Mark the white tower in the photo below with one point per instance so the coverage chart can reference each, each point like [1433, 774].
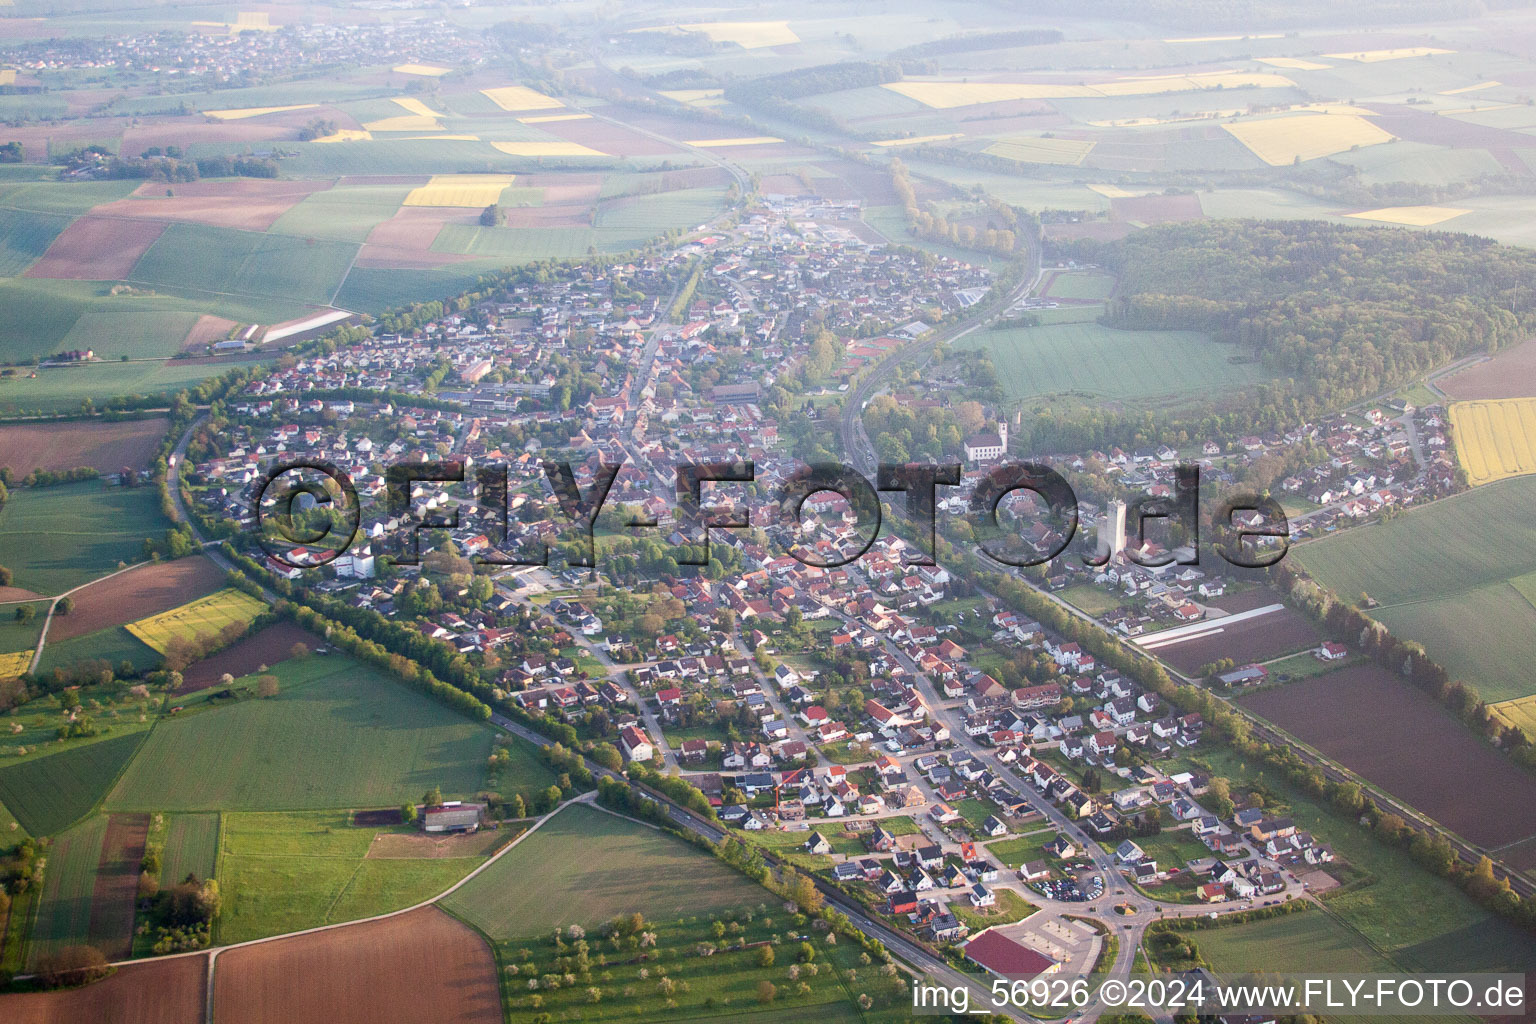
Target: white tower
[1114, 522]
[1002, 434]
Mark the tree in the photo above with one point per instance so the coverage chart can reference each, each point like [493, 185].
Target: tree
[72, 965]
[299, 650]
[766, 991]
[433, 797]
[765, 956]
[407, 813]
[25, 613]
[65, 606]
[266, 686]
[5, 576]
[490, 216]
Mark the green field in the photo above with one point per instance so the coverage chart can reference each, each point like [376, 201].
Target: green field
[205, 616]
[1015, 853]
[1141, 367]
[1422, 921]
[64, 915]
[1081, 286]
[21, 636]
[1297, 942]
[286, 871]
[49, 793]
[344, 213]
[202, 261]
[137, 334]
[62, 389]
[549, 879]
[114, 644]
[338, 735]
[375, 289]
[191, 847]
[1445, 575]
[1093, 599]
[24, 236]
[56, 538]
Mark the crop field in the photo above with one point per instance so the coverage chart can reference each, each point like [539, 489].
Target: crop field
[1260, 638]
[337, 735]
[520, 97]
[14, 664]
[419, 966]
[204, 616]
[545, 149]
[196, 259]
[114, 645]
[137, 334]
[25, 236]
[1086, 287]
[1030, 150]
[241, 113]
[49, 793]
[1495, 439]
[96, 249]
[55, 538]
[945, 95]
[117, 885]
[555, 884]
[250, 204]
[1140, 367]
[63, 389]
[1423, 921]
[143, 591]
[266, 647]
[288, 871]
[1377, 725]
[1296, 942]
[1420, 162]
[64, 914]
[1442, 575]
[1281, 141]
[344, 213]
[1511, 373]
[191, 847]
[1413, 216]
[477, 190]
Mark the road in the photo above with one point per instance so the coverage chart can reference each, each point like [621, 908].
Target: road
[856, 444]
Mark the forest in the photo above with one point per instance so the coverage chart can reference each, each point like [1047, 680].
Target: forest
[1334, 314]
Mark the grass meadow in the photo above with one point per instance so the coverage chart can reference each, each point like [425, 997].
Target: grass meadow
[64, 913]
[281, 872]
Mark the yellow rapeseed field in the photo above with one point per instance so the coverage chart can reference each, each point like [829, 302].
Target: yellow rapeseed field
[1495, 438]
[346, 135]
[916, 140]
[747, 140]
[1294, 64]
[547, 118]
[1519, 713]
[749, 35]
[1281, 140]
[1471, 88]
[459, 190]
[1030, 150]
[241, 113]
[695, 97]
[206, 615]
[1414, 216]
[1376, 56]
[421, 118]
[520, 97]
[429, 70]
[944, 95]
[12, 665]
[7, 76]
[546, 149]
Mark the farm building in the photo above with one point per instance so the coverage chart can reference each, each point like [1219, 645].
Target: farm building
[453, 817]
